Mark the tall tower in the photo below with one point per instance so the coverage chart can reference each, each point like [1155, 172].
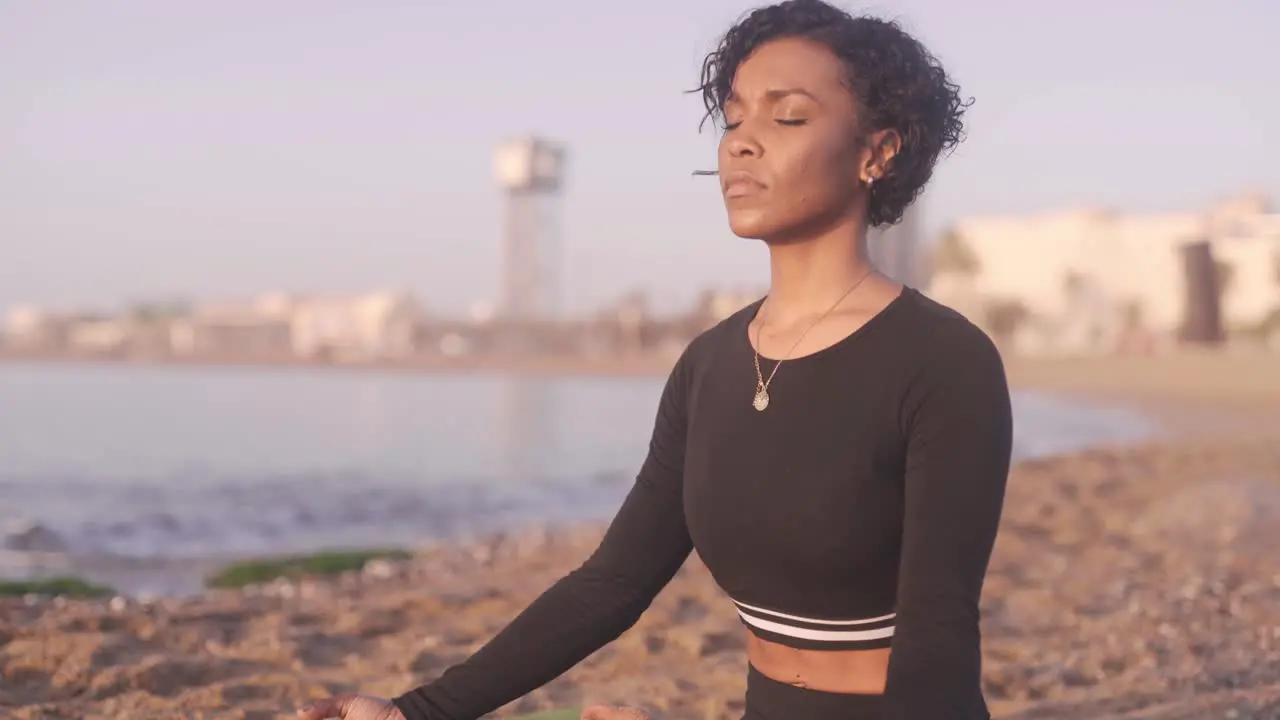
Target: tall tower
[895, 250]
[531, 173]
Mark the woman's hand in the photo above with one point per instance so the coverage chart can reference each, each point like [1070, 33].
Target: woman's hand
[351, 707]
[605, 712]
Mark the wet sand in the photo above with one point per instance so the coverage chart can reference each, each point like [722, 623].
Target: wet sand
[1127, 582]
[1197, 392]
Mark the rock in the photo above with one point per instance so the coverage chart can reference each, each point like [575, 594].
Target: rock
[379, 569]
[29, 536]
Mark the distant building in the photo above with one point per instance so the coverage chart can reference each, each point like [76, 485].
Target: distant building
[364, 327]
[231, 331]
[30, 329]
[716, 305]
[1093, 281]
[98, 336]
[531, 171]
[369, 327]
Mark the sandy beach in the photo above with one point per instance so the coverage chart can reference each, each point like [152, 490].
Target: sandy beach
[1128, 582]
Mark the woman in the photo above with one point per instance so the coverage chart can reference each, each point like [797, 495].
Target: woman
[837, 452]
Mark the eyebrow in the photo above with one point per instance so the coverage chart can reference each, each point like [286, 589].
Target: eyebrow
[776, 95]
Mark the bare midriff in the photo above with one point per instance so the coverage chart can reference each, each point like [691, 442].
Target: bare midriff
[860, 672]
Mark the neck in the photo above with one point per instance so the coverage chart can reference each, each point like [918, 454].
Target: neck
[807, 277]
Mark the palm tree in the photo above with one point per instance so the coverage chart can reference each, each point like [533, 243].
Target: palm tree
[953, 254]
[1005, 317]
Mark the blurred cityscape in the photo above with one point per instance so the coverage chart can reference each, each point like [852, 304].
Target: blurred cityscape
[1081, 282]
[1084, 282]
[378, 326]
[394, 326]
[1093, 281]
[1068, 283]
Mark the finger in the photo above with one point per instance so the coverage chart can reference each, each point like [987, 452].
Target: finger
[325, 709]
[319, 710]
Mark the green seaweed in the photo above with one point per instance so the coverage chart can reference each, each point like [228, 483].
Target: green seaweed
[264, 570]
[61, 586]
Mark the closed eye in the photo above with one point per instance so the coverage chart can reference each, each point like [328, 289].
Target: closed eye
[788, 123]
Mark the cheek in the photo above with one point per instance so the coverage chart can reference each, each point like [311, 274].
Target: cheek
[840, 164]
[820, 178]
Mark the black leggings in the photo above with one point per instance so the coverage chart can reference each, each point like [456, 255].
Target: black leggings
[769, 699]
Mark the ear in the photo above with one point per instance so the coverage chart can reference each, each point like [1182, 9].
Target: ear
[882, 147]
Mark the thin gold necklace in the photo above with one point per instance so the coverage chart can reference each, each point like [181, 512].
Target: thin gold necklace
[761, 400]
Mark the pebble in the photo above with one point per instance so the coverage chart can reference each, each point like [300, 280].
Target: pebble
[379, 569]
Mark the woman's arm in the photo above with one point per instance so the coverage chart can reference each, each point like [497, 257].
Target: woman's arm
[645, 545]
[960, 438]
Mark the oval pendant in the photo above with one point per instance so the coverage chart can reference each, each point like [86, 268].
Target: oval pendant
[761, 400]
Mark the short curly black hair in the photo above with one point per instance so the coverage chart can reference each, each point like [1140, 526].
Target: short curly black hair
[897, 82]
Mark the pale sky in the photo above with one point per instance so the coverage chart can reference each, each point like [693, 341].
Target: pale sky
[151, 148]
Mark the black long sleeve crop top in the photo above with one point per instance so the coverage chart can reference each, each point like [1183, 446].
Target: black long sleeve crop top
[859, 510]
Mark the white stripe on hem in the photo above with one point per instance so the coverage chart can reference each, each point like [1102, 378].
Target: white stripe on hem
[820, 635]
[867, 621]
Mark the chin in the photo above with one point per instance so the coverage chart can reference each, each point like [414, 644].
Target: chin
[750, 225]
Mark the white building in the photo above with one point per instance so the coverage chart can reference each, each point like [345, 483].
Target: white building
[99, 335]
[364, 327]
[1090, 281]
[240, 331]
[28, 328]
[368, 327]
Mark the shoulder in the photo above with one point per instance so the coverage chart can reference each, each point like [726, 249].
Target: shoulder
[699, 352]
[955, 369]
[947, 342]
[957, 391]
[698, 356]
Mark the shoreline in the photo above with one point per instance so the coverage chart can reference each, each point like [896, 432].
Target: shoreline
[1189, 392]
[1191, 395]
[1240, 376]
[1052, 426]
[623, 366]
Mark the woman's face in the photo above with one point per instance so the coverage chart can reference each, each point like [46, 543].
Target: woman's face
[790, 162]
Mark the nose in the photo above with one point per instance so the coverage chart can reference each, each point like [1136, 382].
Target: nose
[740, 143]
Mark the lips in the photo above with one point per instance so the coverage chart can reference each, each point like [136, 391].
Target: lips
[741, 184]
